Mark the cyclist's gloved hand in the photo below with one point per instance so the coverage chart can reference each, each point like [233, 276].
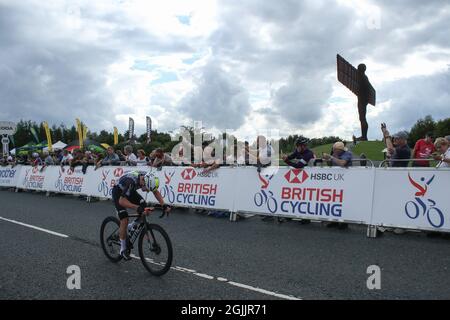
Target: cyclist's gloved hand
[166, 209]
[141, 209]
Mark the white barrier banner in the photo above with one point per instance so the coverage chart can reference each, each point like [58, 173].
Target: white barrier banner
[312, 193]
[416, 199]
[66, 180]
[102, 180]
[190, 187]
[32, 178]
[9, 176]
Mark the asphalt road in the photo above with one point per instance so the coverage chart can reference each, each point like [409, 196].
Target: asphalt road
[259, 260]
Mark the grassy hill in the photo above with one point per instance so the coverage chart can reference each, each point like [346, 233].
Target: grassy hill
[372, 150]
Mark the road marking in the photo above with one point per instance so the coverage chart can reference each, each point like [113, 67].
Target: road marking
[270, 293]
[223, 280]
[36, 228]
[202, 275]
[177, 268]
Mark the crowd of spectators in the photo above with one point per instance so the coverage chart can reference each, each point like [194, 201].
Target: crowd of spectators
[259, 154]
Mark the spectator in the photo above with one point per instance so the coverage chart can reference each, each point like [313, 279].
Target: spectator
[443, 153]
[59, 155]
[36, 160]
[161, 159]
[89, 158]
[341, 156]
[22, 160]
[299, 159]
[130, 157]
[398, 150]
[448, 138]
[11, 161]
[79, 159]
[4, 160]
[48, 159]
[301, 155]
[423, 150]
[210, 161]
[142, 159]
[121, 156]
[111, 159]
[66, 158]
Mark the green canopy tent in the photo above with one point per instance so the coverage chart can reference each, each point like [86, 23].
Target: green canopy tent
[88, 144]
[31, 147]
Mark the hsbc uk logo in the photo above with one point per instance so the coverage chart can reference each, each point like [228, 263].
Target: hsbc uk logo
[296, 176]
[118, 172]
[188, 174]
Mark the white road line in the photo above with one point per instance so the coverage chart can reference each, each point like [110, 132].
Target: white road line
[224, 280]
[36, 228]
[202, 275]
[270, 293]
[177, 268]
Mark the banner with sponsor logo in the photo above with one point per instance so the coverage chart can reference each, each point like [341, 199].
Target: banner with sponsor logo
[190, 187]
[408, 198]
[32, 178]
[102, 180]
[66, 180]
[312, 193]
[416, 199]
[9, 176]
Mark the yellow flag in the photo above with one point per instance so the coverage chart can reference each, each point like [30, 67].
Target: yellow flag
[80, 133]
[49, 137]
[116, 136]
[85, 129]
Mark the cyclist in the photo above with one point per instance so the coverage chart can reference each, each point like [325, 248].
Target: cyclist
[125, 196]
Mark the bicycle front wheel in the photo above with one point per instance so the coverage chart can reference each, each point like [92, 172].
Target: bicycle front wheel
[155, 249]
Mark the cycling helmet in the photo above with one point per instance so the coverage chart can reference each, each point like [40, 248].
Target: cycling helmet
[151, 181]
[300, 141]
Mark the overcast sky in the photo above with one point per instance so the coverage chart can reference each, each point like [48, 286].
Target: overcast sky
[242, 65]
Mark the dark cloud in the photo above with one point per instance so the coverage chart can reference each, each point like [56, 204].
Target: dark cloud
[218, 99]
[49, 74]
[414, 98]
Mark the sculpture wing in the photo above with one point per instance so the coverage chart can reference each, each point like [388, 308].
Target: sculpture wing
[348, 76]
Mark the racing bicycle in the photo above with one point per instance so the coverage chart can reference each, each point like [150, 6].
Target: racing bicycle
[154, 245]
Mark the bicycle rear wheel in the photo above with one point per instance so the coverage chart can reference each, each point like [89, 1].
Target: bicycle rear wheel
[109, 238]
[155, 249]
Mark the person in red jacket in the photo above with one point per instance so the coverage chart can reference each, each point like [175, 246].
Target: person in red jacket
[423, 150]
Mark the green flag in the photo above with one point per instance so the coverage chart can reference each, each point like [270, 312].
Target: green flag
[34, 133]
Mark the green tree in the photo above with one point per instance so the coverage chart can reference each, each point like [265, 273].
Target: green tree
[442, 128]
[420, 129]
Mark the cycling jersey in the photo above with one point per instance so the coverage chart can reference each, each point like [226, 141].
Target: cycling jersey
[129, 183]
[127, 187]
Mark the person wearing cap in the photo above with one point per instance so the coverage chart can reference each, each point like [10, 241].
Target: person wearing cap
[448, 138]
[341, 156]
[423, 150]
[398, 150]
[301, 155]
[36, 161]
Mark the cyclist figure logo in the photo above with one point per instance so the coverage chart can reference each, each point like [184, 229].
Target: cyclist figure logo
[59, 182]
[25, 179]
[103, 186]
[264, 196]
[167, 191]
[413, 209]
